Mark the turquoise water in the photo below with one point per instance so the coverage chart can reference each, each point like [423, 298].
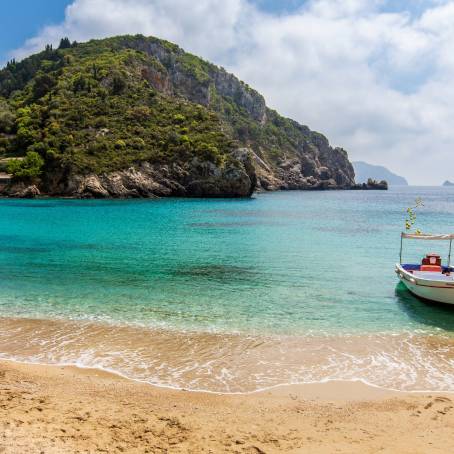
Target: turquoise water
[285, 265]
[287, 262]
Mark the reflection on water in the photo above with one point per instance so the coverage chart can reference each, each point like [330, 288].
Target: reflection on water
[428, 313]
[68, 203]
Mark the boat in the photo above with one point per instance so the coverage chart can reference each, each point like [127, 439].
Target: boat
[430, 280]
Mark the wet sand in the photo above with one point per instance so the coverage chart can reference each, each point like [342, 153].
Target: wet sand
[50, 409]
[230, 363]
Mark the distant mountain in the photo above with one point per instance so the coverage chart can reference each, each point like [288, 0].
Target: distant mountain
[364, 171]
[448, 183]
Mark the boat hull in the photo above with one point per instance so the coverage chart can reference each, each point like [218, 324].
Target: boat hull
[427, 289]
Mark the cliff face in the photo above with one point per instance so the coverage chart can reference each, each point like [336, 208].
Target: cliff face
[196, 179]
[307, 163]
[138, 117]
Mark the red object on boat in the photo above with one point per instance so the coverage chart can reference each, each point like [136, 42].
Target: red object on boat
[435, 268]
[431, 262]
[432, 259]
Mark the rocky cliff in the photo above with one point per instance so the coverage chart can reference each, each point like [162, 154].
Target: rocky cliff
[195, 179]
[132, 116]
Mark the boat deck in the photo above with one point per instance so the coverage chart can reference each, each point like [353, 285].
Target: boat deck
[433, 276]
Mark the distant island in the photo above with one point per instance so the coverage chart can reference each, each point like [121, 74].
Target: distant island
[136, 116]
[448, 183]
[364, 171]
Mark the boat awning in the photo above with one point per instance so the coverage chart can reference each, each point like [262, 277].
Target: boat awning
[425, 236]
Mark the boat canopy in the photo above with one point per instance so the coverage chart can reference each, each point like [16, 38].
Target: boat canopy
[425, 236]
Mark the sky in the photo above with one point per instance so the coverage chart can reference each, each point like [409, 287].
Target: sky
[375, 76]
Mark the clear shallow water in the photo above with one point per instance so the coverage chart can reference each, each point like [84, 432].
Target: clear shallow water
[298, 264]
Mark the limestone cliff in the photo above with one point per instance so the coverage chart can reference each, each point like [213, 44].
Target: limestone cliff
[132, 116]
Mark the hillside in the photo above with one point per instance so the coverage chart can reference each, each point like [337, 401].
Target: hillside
[133, 116]
[364, 171]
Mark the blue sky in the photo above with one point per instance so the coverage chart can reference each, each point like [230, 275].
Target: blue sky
[279, 6]
[375, 76]
[22, 19]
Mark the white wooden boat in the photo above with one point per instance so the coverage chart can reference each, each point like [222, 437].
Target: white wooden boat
[429, 280]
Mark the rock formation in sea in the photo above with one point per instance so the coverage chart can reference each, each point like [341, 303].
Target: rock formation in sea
[135, 116]
[371, 184]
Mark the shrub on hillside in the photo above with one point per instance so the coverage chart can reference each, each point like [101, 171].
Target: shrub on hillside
[28, 168]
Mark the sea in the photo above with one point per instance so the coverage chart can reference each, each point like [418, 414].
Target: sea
[227, 295]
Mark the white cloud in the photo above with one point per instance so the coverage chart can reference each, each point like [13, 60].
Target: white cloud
[205, 26]
[375, 81]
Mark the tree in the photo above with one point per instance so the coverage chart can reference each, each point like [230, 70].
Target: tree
[65, 43]
[80, 84]
[43, 84]
[7, 118]
[179, 119]
[27, 168]
[139, 113]
[118, 83]
[95, 71]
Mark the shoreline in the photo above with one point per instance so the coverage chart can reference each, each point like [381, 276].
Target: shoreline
[233, 364]
[67, 409]
[322, 390]
[322, 387]
[46, 196]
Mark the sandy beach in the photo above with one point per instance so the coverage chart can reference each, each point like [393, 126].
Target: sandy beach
[49, 409]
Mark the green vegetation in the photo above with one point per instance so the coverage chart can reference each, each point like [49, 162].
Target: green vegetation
[410, 220]
[106, 105]
[98, 114]
[7, 117]
[28, 168]
[197, 67]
